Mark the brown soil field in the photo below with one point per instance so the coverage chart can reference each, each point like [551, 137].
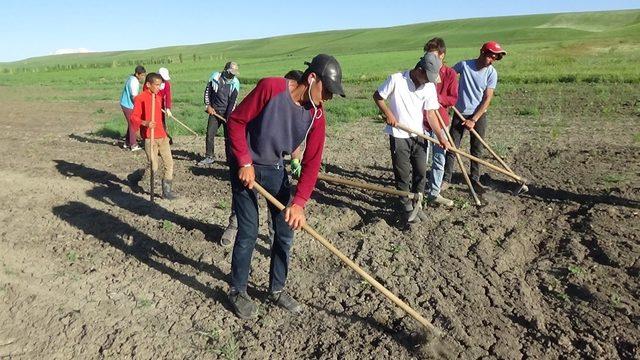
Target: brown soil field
[91, 270]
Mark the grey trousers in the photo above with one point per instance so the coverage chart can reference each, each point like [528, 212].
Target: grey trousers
[409, 160]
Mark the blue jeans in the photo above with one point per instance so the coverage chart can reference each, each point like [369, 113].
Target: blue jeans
[437, 169]
[245, 204]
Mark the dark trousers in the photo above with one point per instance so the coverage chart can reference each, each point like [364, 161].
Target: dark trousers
[409, 160]
[245, 204]
[457, 131]
[212, 128]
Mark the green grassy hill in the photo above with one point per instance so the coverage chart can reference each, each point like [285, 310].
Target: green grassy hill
[590, 47]
[540, 45]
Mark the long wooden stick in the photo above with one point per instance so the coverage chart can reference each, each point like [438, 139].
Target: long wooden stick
[219, 117]
[181, 123]
[366, 186]
[470, 157]
[388, 294]
[484, 143]
[153, 135]
[459, 160]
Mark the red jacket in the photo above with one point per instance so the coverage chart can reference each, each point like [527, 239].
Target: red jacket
[447, 90]
[142, 112]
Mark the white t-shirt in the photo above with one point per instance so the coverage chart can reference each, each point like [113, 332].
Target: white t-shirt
[407, 103]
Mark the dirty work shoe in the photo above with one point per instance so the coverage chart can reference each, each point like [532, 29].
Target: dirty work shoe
[441, 201]
[284, 300]
[444, 186]
[242, 304]
[206, 161]
[135, 147]
[228, 236]
[478, 186]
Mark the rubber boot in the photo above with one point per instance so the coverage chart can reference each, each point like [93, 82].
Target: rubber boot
[166, 190]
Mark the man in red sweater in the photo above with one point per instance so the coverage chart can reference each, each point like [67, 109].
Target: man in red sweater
[447, 90]
[273, 120]
[141, 116]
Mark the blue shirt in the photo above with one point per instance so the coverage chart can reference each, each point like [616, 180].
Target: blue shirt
[473, 83]
[131, 88]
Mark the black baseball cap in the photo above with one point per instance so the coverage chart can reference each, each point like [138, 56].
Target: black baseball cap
[329, 71]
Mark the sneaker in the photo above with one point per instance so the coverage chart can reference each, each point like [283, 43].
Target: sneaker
[442, 201]
[228, 236]
[284, 300]
[206, 161]
[125, 146]
[478, 186]
[136, 147]
[242, 304]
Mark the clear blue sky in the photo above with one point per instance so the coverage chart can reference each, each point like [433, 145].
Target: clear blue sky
[36, 27]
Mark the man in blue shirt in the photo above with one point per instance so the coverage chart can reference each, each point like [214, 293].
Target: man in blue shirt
[478, 80]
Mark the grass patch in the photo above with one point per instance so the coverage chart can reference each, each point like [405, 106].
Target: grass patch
[72, 256]
[143, 303]
[167, 225]
[614, 178]
[528, 111]
[636, 138]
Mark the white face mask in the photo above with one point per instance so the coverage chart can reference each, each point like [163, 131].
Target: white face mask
[162, 86]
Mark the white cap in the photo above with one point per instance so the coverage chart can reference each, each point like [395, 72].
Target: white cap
[164, 72]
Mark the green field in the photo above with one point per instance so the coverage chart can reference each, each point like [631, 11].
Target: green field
[549, 51]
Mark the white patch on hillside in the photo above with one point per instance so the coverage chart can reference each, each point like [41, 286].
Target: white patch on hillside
[71, 51]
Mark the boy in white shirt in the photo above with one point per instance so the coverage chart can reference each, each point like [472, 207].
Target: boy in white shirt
[412, 96]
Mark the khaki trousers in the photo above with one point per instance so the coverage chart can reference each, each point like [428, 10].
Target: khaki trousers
[160, 146]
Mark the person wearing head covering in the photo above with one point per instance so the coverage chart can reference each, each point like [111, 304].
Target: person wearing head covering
[447, 90]
[165, 94]
[272, 121]
[219, 98]
[478, 81]
[411, 94]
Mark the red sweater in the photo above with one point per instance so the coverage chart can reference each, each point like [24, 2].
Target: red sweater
[142, 112]
[267, 124]
[447, 90]
[165, 93]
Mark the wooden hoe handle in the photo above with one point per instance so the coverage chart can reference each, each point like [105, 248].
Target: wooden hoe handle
[424, 322]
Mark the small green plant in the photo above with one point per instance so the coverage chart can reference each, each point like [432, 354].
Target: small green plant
[395, 248]
[72, 256]
[575, 270]
[636, 138]
[461, 204]
[230, 349]
[213, 335]
[167, 225]
[223, 205]
[99, 111]
[615, 299]
[143, 303]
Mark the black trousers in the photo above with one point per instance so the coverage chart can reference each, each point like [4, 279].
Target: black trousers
[409, 160]
[212, 128]
[457, 131]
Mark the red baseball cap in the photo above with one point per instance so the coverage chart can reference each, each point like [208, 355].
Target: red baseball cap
[493, 47]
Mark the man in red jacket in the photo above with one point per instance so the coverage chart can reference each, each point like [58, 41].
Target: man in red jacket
[141, 116]
[447, 90]
[273, 120]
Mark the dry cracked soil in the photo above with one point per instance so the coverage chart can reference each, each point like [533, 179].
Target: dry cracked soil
[91, 270]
